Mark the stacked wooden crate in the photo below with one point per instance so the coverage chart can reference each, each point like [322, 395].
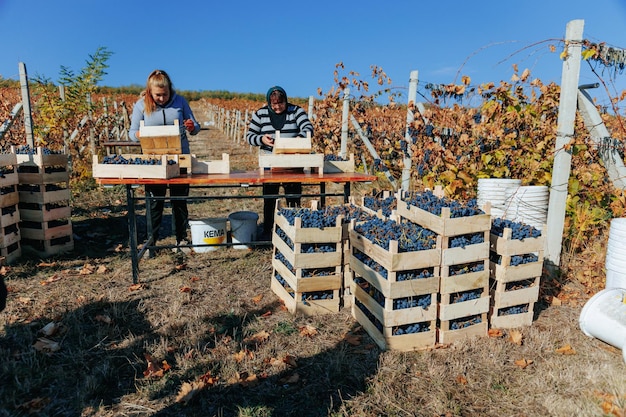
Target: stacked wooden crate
[44, 201]
[464, 284]
[10, 245]
[307, 264]
[395, 292]
[515, 270]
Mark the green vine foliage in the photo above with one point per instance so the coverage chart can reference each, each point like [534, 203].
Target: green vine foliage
[57, 116]
[511, 133]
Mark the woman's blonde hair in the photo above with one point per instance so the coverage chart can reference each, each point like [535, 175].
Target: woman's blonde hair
[157, 78]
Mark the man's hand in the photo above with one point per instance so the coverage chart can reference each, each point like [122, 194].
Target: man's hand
[267, 140]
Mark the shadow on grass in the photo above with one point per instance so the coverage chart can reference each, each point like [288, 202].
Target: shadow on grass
[101, 360]
[96, 361]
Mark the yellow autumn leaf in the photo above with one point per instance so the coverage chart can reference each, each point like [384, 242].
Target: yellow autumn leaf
[188, 390]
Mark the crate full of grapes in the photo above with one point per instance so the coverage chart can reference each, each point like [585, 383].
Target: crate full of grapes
[308, 303]
[464, 301]
[8, 169]
[40, 165]
[334, 164]
[307, 258]
[409, 334]
[516, 251]
[394, 245]
[442, 215]
[380, 203]
[136, 166]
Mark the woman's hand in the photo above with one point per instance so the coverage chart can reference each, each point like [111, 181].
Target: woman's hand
[189, 125]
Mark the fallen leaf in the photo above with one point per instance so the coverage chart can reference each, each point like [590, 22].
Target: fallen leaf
[194, 279]
[352, 339]
[185, 289]
[4, 270]
[308, 330]
[495, 333]
[523, 363]
[136, 287]
[180, 267]
[257, 298]
[53, 278]
[49, 329]
[247, 380]
[46, 345]
[257, 338]
[103, 319]
[460, 379]
[243, 354]
[566, 350]
[25, 300]
[290, 360]
[154, 370]
[516, 337]
[87, 269]
[46, 264]
[267, 313]
[188, 390]
[555, 301]
[101, 269]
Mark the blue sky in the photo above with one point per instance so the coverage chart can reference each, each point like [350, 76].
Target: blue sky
[247, 46]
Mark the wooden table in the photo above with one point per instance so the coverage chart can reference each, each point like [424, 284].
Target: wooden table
[230, 180]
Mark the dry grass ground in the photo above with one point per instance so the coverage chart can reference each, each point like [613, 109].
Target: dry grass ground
[204, 335]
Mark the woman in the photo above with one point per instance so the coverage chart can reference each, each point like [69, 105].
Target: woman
[159, 105]
[292, 121]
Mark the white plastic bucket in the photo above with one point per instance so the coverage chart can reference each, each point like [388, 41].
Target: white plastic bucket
[615, 262]
[207, 232]
[528, 204]
[615, 279]
[604, 317]
[243, 227]
[493, 190]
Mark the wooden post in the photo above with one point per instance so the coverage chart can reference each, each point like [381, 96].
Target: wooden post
[28, 115]
[406, 171]
[344, 123]
[311, 102]
[565, 131]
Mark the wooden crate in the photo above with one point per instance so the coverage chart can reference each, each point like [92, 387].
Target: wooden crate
[301, 283]
[9, 196]
[9, 235]
[511, 321]
[390, 287]
[299, 234]
[472, 330]
[304, 161]
[505, 247]
[8, 171]
[331, 167]
[300, 302]
[160, 140]
[49, 230]
[392, 259]
[36, 212]
[42, 168]
[444, 225]
[386, 313]
[451, 312]
[300, 260]
[43, 193]
[283, 145]
[387, 338]
[11, 253]
[9, 215]
[51, 247]
[162, 171]
[211, 167]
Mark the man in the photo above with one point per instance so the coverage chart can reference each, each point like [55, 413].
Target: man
[291, 121]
